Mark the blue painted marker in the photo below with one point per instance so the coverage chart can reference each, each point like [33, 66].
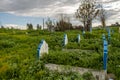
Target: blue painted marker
[39, 47]
[105, 52]
[103, 36]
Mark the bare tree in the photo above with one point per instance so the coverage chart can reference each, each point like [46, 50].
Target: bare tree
[102, 16]
[50, 25]
[39, 27]
[86, 12]
[63, 23]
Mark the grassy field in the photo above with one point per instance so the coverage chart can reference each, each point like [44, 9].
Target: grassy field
[18, 53]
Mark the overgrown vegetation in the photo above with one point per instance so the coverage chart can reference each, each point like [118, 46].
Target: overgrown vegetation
[18, 54]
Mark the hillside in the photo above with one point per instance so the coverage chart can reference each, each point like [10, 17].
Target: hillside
[18, 53]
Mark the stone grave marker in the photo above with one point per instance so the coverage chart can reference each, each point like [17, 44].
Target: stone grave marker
[105, 52]
[65, 40]
[83, 33]
[42, 48]
[103, 36]
[78, 38]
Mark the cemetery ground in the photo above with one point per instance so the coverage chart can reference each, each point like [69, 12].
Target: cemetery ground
[18, 54]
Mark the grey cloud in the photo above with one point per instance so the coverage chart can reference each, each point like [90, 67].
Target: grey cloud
[14, 5]
[51, 7]
[109, 1]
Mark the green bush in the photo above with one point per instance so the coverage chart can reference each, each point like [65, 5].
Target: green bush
[22, 49]
[88, 76]
[74, 59]
[6, 44]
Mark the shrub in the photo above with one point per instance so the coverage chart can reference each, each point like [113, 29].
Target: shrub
[88, 76]
[6, 44]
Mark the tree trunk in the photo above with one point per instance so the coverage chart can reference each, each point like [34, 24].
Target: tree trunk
[88, 25]
[103, 22]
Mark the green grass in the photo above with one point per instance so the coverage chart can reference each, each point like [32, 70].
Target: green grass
[18, 53]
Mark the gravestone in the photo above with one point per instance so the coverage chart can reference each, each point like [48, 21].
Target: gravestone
[78, 38]
[103, 36]
[105, 52]
[83, 33]
[42, 48]
[65, 40]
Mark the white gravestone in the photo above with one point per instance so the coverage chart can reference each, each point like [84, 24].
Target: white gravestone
[65, 39]
[78, 38]
[43, 48]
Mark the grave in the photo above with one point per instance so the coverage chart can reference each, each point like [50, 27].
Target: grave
[105, 52]
[42, 48]
[65, 40]
[83, 33]
[78, 38]
[98, 74]
[103, 36]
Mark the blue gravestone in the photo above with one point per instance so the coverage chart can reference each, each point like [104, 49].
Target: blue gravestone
[105, 52]
[103, 36]
[39, 47]
[78, 38]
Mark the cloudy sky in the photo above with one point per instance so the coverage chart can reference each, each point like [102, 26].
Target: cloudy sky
[20, 12]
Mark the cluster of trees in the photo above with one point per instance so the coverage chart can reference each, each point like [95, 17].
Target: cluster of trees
[61, 25]
[64, 23]
[39, 27]
[30, 26]
[86, 13]
[116, 24]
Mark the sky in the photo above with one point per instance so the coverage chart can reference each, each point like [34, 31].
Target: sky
[19, 12]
